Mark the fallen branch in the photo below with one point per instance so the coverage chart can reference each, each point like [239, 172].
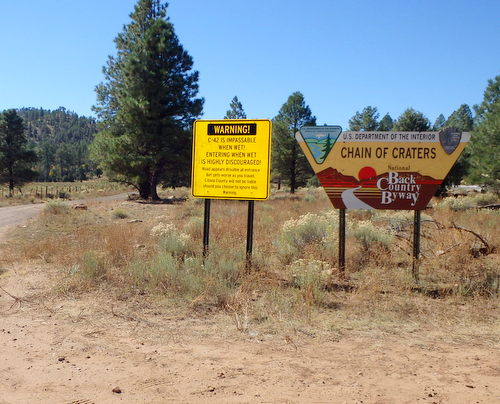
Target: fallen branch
[18, 300]
[483, 240]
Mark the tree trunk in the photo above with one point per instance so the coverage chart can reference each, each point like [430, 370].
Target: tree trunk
[144, 189]
[11, 182]
[293, 170]
[153, 183]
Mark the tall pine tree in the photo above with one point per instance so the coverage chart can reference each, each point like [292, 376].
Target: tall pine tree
[462, 120]
[412, 121]
[439, 123]
[16, 159]
[235, 110]
[366, 120]
[386, 123]
[288, 160]
[146, 104]
[485, 150]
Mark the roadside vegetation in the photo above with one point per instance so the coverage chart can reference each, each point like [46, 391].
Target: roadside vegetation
[154, 252]
[36, 192]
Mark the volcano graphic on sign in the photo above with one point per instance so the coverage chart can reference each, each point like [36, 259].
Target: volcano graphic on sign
[320, 140]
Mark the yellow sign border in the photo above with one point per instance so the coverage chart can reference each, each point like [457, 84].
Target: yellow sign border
[195, 165]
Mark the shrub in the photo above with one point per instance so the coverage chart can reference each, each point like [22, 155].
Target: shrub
[91, 267]
[172, 240]
[488, 198]
[310, 276]
[366, 233]
[56, 208]
[467, 202]
[297, 234]
[119, 214]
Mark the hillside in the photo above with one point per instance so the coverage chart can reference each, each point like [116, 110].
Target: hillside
[60, 138]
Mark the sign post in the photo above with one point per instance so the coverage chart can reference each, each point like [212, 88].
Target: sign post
[206, 226]
[381, 170]
[231, 160]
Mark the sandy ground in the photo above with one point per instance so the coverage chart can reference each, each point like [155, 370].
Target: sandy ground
[68, 350]
[65, 349]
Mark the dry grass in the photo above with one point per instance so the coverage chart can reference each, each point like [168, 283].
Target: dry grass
[294, 281]
[37, 192]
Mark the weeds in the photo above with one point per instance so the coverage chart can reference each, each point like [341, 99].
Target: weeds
[119, 214]
[294, 276]
[56, 208]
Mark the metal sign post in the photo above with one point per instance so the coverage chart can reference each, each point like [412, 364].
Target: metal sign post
[416, 245]
[206, 226]
[342, 241]
[249, 234]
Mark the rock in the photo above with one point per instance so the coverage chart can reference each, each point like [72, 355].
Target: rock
[133, 197]
[80, 206]
[135, 221]
[117, 390]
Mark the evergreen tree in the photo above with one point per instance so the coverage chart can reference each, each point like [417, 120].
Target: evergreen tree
[386, 123]
[484, 148]
[439, 123]
[235, 110]
[16, 159]
[461, 119]
[366, 120]
[146, 104]
[412, 121]
[288, 160]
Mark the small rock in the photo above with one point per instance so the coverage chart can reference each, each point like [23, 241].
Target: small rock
[80, 206]
[135, 221]
[61, 359]
[117, 390]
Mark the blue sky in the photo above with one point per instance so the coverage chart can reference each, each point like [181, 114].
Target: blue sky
[432, 55]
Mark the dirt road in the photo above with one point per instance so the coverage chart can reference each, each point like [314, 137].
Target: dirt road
[78, 349]
[14, 215]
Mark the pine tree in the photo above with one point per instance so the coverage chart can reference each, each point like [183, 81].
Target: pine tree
[146, 104]
[439, 123]
[366, 120]
[386, 123]
[288, 160]
[484, 148]
[16, 159]
[462, 120]
[235, 110]
[412, 121]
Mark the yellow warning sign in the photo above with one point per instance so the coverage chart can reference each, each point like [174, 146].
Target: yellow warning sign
[231, 159]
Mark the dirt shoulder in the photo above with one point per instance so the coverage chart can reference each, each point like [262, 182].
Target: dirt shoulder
[78, 349]
[11, 216]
